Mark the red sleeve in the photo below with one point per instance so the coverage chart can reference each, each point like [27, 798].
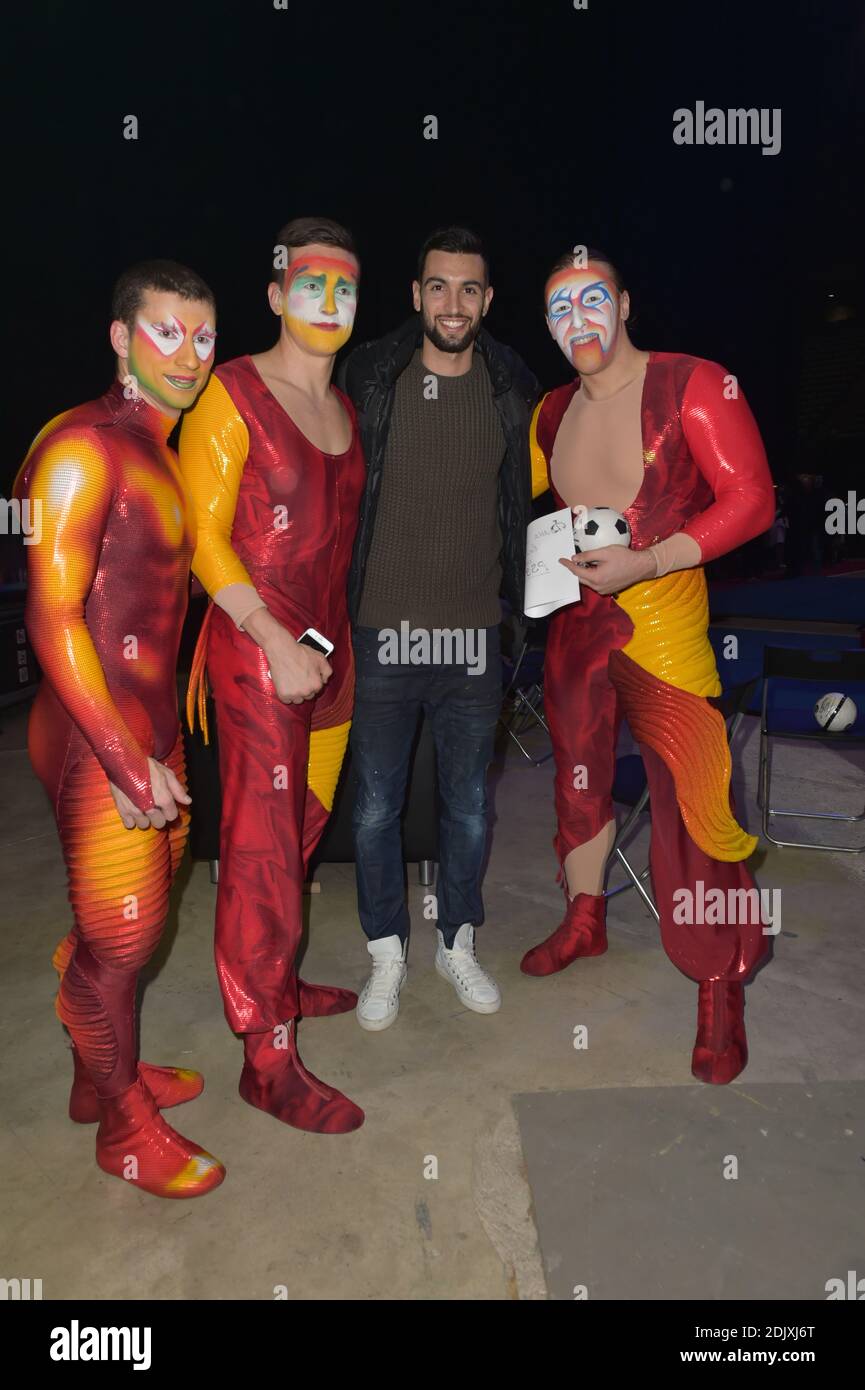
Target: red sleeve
[69, 476]
[725, 443]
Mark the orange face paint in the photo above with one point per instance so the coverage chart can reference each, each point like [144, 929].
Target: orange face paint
[320, 302]
[171, 349]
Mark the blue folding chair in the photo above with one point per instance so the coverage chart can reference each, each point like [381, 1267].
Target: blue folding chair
[788, 712]
[523, 685]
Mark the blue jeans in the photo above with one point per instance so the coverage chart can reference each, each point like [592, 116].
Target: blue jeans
[462, 709]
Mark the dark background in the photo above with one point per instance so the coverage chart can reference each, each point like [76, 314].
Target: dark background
[555, 127]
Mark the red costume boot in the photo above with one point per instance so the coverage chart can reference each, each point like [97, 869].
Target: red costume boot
[168, 1086]
[274, 1079]
[582, 933]
[721, 1049]
[135, 1143]
[324, 1001]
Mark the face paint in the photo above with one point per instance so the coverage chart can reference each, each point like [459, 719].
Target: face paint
[170, 357]
[583, 315]
[319, 302]
[204, 341]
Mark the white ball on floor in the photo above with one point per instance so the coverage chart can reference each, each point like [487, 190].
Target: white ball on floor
[595, 527]
[835, 712]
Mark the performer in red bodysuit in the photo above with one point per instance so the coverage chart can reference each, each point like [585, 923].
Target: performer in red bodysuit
[668, 440]
[272, 457]
[107, 590]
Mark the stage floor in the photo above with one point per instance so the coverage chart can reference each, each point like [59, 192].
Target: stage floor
[680, 1192]
[356, 1216]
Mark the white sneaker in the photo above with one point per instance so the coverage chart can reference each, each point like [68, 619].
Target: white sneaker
[476, 989]
[378, 1004]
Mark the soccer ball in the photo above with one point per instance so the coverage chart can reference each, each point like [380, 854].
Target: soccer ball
[595, 527]
[835, 712]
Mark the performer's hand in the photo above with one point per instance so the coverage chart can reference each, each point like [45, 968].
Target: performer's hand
[612, 568]
[298, 673]
[167, 791]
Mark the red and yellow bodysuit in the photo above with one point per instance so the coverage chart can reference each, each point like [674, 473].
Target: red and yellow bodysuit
[278, 516]
[107, 593]
[645, 655]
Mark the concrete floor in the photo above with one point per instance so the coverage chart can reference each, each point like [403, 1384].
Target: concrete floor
[311, 1217]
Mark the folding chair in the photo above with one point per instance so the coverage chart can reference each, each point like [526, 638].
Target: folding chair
[845, 671]
[523, 688]
[630, 788]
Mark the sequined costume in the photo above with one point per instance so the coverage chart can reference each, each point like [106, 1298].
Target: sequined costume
[107, 592]
[276, 513]
[645, 655]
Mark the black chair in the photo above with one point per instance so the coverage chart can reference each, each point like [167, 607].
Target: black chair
[846, 671]
[523, 684]
[420, 818]
[202, 773]
[630, 788]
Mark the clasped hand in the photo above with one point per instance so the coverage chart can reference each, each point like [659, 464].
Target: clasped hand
[167, 792]
[612, 568]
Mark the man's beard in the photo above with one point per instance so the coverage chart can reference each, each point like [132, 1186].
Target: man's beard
[445, 344]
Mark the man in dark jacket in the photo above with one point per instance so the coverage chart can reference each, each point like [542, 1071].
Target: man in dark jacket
[444, 414]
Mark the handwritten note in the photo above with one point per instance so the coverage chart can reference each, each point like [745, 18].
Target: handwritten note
[548, 584]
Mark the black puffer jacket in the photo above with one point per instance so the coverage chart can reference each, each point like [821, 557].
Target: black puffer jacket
[369, 375]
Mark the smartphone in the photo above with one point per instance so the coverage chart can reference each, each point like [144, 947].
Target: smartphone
[314, 639]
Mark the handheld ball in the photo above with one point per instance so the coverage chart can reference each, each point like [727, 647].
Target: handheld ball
[595, 527]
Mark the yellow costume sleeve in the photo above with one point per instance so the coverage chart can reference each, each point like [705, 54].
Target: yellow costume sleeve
[214, 444]
[540, 475]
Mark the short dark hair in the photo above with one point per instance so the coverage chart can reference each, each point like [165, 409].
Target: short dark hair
[309, 231]
[591, 253]
[459, 241]
[168, 276]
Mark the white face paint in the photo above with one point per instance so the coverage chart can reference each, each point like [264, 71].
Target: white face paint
[309, 300]
[321, 301]
[583, 315]
[204, 341]
[168, 334]
[579, 311]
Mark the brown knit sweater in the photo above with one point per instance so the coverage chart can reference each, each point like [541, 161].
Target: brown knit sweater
[435, 554]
